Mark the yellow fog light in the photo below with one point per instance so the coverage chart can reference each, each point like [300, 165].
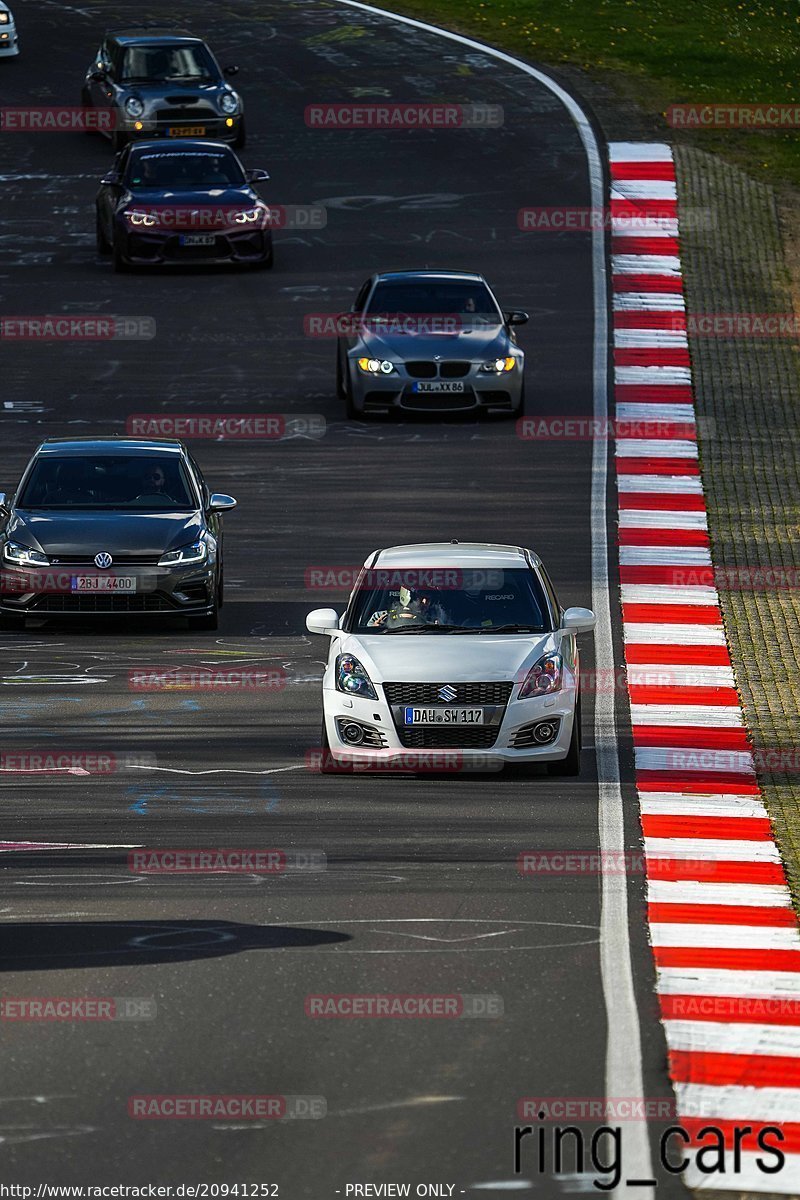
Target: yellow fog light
[138, 125]
[229, 122]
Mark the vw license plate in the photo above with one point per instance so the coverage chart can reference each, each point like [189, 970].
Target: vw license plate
[438, 386]
[443, 716]
[104, 583]
[198, 239]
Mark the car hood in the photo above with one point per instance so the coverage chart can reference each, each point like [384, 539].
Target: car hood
[448, 658]
[87, 532]
[485, 341]
[212, 197]
[169, 90]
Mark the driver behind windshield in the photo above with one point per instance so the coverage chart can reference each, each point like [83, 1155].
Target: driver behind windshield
[412, 608]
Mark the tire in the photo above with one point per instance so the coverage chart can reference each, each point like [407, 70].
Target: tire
[571, 765]
[86, 103]
[266, 264]
[519, 409]
[118, 141]
[240, 141]
[103, 245]
[11, 621]
[341, 394]
[210, 620]
[327, 765]
[120, 265]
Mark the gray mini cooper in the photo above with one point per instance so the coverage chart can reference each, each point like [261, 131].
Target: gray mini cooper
[149, 83]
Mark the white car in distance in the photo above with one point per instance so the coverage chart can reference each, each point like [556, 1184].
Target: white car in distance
[460, 648]
[9, 41]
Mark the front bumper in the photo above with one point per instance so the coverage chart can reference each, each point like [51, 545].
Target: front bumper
[216, 128]
[164, 248]
[484, 746]
[48, 591]
[9, 42]
[480, 391]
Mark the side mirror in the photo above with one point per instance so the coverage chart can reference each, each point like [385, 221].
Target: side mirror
[579, 620]
[110, 180]
[257, 176]
[98, 76]
[218, 502]
[516, 317]
[322, 620]
[230, 71]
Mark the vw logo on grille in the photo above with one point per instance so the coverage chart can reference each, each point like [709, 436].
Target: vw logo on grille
[447, 693]
[103, 559]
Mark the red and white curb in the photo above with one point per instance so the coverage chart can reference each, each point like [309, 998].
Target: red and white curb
[723, 932]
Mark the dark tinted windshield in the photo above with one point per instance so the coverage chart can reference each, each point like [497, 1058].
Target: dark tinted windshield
[421, 297]
[154, 64]
[158, 484]
[184, 170]
[479, 601]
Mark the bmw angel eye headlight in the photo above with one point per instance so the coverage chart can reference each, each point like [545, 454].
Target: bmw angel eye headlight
[229, 103]
[23, 556]
[134, 107]
[352, 678]
[376, 366]
[498, 366]
[196, 553]
[544, 677]
[248, 216]
[141, 218]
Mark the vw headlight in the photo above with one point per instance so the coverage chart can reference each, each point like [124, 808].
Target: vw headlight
[196, 553]
[376, 366]
[141, 218]
[498, 366]
[23, 556]
[134, 107]
[352, 678]
[229, 103]
[544, 677]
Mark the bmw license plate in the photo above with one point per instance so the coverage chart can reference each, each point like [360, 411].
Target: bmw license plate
[443, 716]
[186, 131]
[438, 386]
[104, 583]
[198, 239]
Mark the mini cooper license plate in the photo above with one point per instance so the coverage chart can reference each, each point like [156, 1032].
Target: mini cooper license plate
[438, 386]
[186, 131]
[198, 239]
[443, 716]
[104, 583]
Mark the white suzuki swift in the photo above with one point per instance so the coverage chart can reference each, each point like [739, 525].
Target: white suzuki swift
[452, 647]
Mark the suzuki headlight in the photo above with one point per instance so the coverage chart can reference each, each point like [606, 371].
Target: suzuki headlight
[544, 677]
[498, 366]
[141, 218]
[23, 556]
[352, 678]
[376, 366]
[229, 103]
[196, 553]
[134, 107]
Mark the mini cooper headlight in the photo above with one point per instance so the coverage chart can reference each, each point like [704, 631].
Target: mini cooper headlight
[352, 678]
[376, 366]
[498, 366]
[134, 107]
[229, 103]
[196, 553]
[141, 218]
[23, 556]
[543, 678]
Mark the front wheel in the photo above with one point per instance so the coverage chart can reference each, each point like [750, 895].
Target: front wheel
[120, 265]
[240, 141]
[571, 765]
[327, 764]
[11, 621]
[208, 620]
[103, 244]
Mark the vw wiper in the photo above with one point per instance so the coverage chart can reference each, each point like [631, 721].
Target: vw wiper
[430, 629]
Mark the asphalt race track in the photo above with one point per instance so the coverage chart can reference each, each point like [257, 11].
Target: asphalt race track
[421, 891]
